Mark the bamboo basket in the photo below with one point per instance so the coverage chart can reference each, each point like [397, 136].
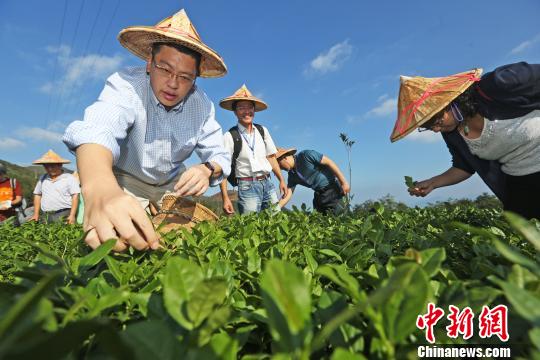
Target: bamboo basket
[178, 212]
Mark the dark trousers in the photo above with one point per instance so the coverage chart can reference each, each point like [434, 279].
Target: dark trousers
[47, 217]
[522, 195]
[327, 200]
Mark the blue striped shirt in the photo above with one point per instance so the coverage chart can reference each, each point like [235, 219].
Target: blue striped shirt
[147, 141]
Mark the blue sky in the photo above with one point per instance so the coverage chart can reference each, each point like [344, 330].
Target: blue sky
[323, 69]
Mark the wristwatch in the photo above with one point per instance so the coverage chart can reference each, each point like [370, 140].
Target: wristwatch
[210, 167]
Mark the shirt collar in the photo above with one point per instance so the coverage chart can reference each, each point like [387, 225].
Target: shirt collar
[243, 129]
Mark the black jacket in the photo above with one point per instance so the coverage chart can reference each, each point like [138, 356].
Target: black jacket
[508, 92]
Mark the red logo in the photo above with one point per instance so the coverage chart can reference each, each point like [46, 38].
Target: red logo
[429, 320]
[460, 322]
[494, 322]
[490, 322]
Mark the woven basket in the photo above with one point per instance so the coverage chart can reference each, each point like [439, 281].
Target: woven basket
[181, 212]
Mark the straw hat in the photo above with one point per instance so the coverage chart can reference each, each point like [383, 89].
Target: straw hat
[421, 98]
[50, 157]
[174, 29]
[281, 152]
[242, 94]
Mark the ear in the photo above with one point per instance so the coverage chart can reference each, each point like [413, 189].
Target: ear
[148, 65]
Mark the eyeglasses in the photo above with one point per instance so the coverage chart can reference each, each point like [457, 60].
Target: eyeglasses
[245, 108]
[182, 78]
[437, 121]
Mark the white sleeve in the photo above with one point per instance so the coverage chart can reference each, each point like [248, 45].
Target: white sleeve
[228, 142]
[270, 146]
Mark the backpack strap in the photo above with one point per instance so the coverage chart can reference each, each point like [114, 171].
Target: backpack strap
[237, 142]
[261, 131]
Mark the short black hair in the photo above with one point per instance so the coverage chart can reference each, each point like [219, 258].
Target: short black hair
[235, 103]
[156, 47]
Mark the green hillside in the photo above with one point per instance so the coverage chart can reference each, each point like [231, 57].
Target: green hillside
[26, 175]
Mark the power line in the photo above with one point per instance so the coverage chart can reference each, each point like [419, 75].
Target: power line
[56, 61]
[101, 43]
[85, 52]
[61, 89]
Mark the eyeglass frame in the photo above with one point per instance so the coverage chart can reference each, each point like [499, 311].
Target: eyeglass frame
[182, 78]
[438, 122]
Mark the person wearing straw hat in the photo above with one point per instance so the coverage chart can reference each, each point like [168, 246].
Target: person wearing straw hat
[491, 126]
[253, 156]
[316, 171]
[56, 194]
[133, 142]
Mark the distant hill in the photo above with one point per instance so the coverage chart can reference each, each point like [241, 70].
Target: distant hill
[27, 176]
[215, 203]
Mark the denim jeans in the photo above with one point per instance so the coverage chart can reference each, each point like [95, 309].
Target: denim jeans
[257, 195]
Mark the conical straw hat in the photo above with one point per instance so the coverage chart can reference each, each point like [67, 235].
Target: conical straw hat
[175, 29]
[284, 152]
[421, 98]
[50, 157]
[242, 94]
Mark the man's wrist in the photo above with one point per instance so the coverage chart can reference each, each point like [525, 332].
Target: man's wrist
[210, 168]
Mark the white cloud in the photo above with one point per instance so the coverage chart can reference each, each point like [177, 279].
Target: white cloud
[424, 136]
[78, 70]
[332, 59]
[39, 134]
[387, 107]
[11, 144]
[526, 44]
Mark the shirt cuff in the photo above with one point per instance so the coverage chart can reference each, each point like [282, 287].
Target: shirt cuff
[225, 163]
[79, 133]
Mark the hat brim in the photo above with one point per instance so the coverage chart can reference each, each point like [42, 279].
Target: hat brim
[139, 40]
[285, 153]
[228, 102]
[434, 103]
[43, 162]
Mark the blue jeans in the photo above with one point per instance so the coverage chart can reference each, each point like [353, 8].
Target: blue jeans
[256, 195]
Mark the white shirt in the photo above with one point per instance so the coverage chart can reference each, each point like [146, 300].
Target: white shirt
[252, 159]
[515, 143]
[145, 139]
[57, 195]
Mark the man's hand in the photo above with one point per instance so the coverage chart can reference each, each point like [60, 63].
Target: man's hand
[283, 189]
[114, 214]
[34, 217]
[194, 181]
[422, 188]
[71, 219]
[345, 187]
[228, 206]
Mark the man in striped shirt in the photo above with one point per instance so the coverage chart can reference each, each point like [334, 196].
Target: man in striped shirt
[132, 144]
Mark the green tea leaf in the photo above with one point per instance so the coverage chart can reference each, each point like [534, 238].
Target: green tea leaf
[287, 300]
[208, 294]
[153, 340]
[23, 305]
[525, 303]
[98, 254]
[181, 278]
[409, 182]
[525, 227]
